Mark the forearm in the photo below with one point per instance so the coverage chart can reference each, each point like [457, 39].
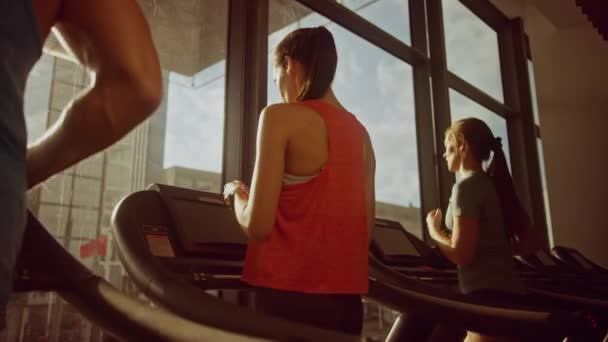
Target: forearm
[94, 120]
[444, 243]
[449, 252]
[243, 215]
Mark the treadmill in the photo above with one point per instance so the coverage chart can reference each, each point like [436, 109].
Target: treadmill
[175, 243]
[44, 265]
[555, 273]
[401, 251]
[578, 261]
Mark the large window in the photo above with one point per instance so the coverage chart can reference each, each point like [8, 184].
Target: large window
[181, 141]
[377, 88]
[472, 48]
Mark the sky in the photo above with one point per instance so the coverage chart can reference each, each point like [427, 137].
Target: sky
[373, 85]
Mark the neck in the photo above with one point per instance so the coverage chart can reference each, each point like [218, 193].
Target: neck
[468, 168]
[329, 97]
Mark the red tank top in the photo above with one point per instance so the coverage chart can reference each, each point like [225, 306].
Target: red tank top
[319, 241]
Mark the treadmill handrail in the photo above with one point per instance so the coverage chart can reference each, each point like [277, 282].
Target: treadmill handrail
[114, 311]
[465, 311]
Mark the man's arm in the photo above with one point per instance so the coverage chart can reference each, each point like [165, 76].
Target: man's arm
[111, 38]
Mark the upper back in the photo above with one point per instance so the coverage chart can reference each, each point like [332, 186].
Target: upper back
[313, 124]
[307, 147]
[319, 241]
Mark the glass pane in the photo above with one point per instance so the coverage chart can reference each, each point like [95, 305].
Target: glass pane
[84, 224]
[543, 178]
[390, 15]
[91, 167]
[57, 189]
[462, 107]
[37, 107]
[195, 123]
[87, 192]
[54, 219]
[184, 137]
[533, 92]
[472, 48]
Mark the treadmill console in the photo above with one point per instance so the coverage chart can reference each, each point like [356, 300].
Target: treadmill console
[204, 225]
[393, 245]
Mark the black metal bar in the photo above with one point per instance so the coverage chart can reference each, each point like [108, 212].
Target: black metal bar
[514, 124]
[235, 92]
[256, 56]
[441, 99]
[487, 12]
[425, 142]
[527, 46]
[529, 128]
[246, 85]
[525, 166]
[477, 95]
[366, 30]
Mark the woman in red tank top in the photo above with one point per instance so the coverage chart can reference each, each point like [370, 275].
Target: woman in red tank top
[310, 210]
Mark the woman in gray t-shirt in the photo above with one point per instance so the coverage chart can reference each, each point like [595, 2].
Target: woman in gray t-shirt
[483, 215]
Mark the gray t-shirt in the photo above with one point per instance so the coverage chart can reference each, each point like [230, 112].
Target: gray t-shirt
[492, 266]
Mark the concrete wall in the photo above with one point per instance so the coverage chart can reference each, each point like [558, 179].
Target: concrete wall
[571, 73]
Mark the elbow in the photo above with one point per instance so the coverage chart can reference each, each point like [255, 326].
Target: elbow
[147, 93]
[130, 96]
[144, 83]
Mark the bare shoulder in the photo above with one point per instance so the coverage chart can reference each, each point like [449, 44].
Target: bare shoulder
[288, 108]
[287, 114]
[274, 118]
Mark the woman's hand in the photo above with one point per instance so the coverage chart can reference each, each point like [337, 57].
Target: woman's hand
[231, 189]
[433, 223]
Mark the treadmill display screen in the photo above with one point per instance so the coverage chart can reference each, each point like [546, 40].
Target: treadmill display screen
[394, 241]
[160, 245]
[205, 226]
[158, 241]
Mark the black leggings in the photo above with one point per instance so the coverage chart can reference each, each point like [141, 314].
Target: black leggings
[342, 312]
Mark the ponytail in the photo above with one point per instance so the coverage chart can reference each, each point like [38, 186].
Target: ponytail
[516, 220]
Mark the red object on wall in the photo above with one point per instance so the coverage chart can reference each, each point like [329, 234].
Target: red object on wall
[97, 246]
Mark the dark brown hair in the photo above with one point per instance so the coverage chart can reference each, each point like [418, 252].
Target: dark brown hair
[480, 142]
[315, 49]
